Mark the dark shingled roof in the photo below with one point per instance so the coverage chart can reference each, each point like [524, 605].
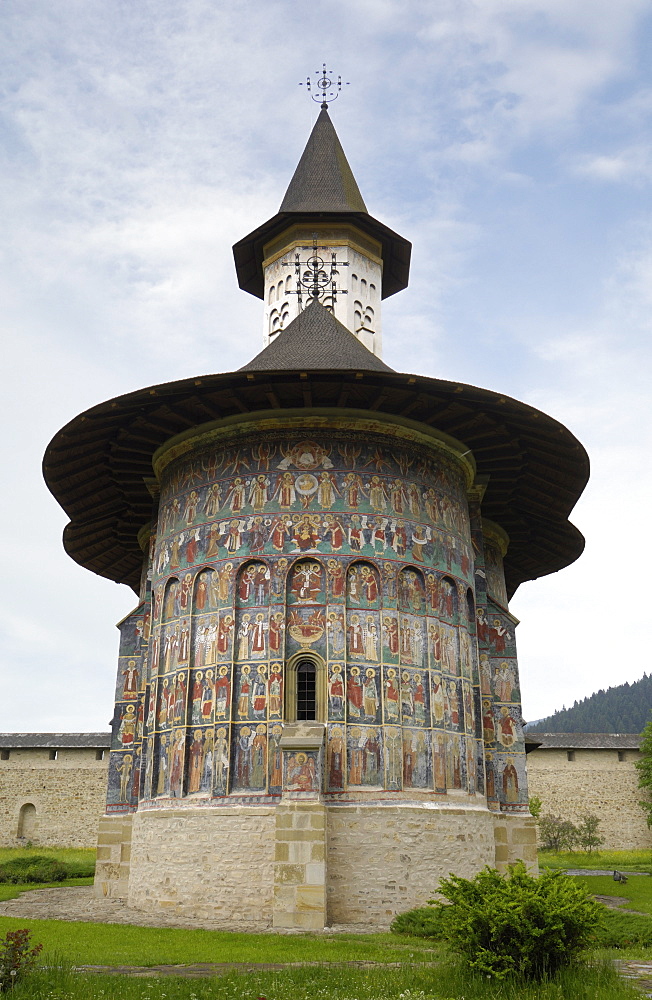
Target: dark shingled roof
[323, 192]
[323, 180]
[59, 741]
[315, 340]
[584, 741]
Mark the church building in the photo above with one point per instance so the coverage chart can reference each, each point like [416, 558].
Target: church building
[317, 710]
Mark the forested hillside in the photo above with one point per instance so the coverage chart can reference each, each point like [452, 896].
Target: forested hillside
[622, 709]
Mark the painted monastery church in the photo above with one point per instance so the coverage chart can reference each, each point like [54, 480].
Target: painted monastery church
[317, 710]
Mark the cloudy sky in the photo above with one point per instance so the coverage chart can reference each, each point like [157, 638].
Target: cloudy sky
[510, 140]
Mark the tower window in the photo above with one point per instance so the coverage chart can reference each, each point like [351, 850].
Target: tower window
[4, 755]
[52, 755]
[621, 755]
[306, 690]
[570, 755]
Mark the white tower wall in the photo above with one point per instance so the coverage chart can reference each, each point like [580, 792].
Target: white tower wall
[356, 303]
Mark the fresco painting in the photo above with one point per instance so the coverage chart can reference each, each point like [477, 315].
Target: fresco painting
[340, 547]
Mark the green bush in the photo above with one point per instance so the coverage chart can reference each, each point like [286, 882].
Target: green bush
[624, 930]
[34, 868]
[517, 924]
[425, 922]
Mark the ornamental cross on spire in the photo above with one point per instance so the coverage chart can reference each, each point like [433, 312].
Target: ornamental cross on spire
[328, 89]
[316, 276]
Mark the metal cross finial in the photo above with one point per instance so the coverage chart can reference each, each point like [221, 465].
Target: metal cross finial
[329, 89]
[316, 277]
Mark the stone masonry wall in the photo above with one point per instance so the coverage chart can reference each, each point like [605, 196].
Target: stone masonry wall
[68, 794]
[595, 782]
[215, 864]
[383, 860]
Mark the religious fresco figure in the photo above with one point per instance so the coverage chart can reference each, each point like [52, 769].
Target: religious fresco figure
[356, 638]
[327, 491]
[306, 532]
[377, 494]
[276, 759]
[243, 744]
[276, 690]
[389, 581]
[196, 754]
[259, 693]
[334, 534]
[259, 493]
[336, 692]
[213, 500]
[336, 635]
[280, 531]
[243, 635]
[390, 639]
[379, 536]
[236, 496]
[335, 759]
[176, 759]
[392, 696]
[220, 762]
[244, 692]
[222, 694]
[127, 727]
[306, 582]
[285, 491]
[207, 698]
[510, 782]
[370, 638]
[123, 767]
[439, 761]
[276, 631]
[130, 685]
[357, 538]
[354, 694]
[258, 775]
[407, 696]
[301, 773]
[259, 629]
[393, 759]
[507, 734]
[370, 698]
[336, 580]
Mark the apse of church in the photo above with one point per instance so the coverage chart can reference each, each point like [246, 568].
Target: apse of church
[321, 671]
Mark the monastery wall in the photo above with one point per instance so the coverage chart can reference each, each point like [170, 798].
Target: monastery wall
[52, 802]
[602, 782]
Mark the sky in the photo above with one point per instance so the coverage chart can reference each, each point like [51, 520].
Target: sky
[509, 140]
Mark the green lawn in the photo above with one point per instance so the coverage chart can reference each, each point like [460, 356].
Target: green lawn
[637, 890]
[69, 855]
[446, 982]
[8, 891]
[124, 944]
[621, 860]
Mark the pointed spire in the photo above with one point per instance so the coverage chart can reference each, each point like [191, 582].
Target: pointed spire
[323, 180]
[315, 340]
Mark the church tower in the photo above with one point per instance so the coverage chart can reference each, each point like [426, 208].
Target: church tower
[323, 243]
[317, 710]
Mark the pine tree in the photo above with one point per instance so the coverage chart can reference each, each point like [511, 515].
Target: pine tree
[644, 766]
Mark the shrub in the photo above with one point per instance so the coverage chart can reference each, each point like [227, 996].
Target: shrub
[33, 868]
[557, 834]
[425, 922]
[588, 836]
[16, 958]
[516, 923]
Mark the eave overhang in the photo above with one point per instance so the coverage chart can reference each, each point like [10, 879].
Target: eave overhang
[99, 466]
[248, 252]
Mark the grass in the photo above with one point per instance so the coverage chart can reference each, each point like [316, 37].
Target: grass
[123, 944]
[68, 855]
[637, 890]
[447, 982]
[621, 860]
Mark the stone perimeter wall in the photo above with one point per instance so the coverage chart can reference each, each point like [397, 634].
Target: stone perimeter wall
[380, 860]
[68, 794]
[597, 782]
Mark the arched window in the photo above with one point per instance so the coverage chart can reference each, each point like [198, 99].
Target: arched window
[27, 821]
[305, 690]
[288, 284]
[363, 286]
[272, 294]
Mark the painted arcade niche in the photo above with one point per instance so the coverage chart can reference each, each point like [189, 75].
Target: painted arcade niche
[328, 579]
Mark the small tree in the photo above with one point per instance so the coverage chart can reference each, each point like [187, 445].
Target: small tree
[557, 834]
[535, 805]
[516, 924]
[644, 766]
[17, 956]
[588, 836]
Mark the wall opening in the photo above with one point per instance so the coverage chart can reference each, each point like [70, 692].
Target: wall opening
[99, 754]
[570, 755]
[26, 821]
[4, 754]
[52, 754]
[622, 755]
[306, 690]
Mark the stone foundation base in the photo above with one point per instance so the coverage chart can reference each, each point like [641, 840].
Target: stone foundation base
[113, 856]
[303, 865]
[516, 840]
